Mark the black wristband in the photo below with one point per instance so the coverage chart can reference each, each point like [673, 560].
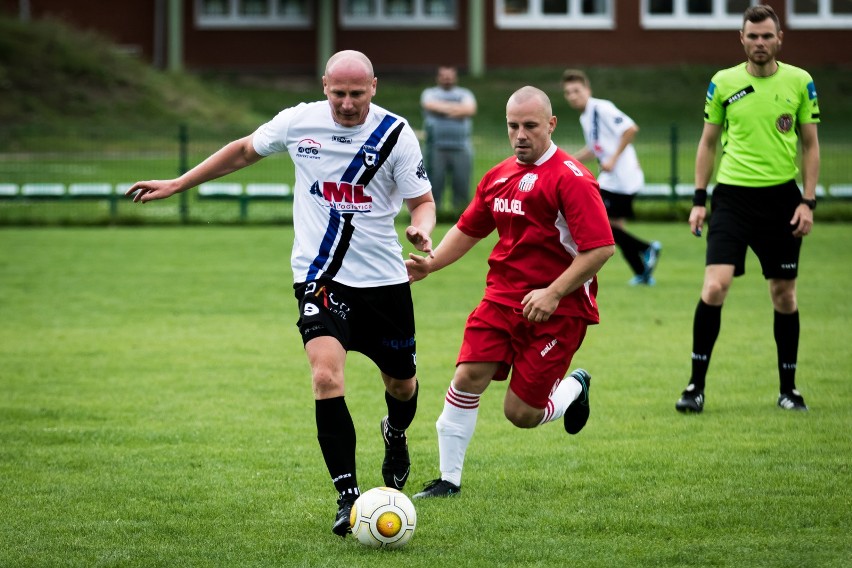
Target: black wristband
[699, 199]
[810, 203]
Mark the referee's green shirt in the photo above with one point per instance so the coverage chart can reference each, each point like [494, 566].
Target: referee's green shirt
[760, 117]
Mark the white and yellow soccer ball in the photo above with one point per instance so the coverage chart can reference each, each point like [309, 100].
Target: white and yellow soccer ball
[383, 517]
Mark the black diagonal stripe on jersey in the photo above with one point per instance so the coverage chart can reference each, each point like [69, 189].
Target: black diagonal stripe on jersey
[738, 95]
[342, 246]
[387, 147]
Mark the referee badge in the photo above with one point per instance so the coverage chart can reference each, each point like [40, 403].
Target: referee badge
[784, 123]
[527, 182]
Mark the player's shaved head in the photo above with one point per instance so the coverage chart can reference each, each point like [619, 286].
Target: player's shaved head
[349, 59]
[527, 94]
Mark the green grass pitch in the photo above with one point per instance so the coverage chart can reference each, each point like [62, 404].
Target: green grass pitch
[156, 410]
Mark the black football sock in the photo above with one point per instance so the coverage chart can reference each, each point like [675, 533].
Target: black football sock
[632, 248]
[705, 331]
[786, 329]
[336, 435]
[401, 412]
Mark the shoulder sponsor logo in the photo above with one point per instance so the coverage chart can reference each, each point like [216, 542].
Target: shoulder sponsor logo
[574, 168]
[308, 148]
[421, 171]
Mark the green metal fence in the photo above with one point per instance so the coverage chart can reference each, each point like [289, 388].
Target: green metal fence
[82, 181]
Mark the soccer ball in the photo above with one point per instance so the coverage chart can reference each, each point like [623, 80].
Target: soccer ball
[383, 517]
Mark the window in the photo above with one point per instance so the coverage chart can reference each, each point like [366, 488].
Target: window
[212, 14]
[694, 14]
[398, 13]
[555, 14]
[822, 14]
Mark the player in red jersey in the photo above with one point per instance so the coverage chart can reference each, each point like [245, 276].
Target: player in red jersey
[554, 237]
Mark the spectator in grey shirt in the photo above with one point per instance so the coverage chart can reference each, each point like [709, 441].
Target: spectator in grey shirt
[447, 112]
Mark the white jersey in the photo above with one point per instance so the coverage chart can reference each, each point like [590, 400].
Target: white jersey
[350, 186]
[603, 125]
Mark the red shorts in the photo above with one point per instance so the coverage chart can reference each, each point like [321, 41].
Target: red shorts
[539, 354]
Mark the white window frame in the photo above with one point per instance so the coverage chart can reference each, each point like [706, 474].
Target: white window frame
[823, 19]
[535, 19]
[681, 19]
[234, 20]
[380, 20]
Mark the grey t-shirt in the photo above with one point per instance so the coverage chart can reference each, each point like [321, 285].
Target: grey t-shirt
[443, 131]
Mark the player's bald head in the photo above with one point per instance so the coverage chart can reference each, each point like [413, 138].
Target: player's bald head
[531, 95]
[350, 61]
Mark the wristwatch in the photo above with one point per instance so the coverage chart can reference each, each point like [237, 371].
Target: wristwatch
[810, 203]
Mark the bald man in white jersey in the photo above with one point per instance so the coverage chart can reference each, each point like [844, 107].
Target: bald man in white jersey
[356, 163]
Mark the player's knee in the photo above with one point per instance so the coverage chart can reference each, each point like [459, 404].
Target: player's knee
[715, 291]
[326, 383]
[522, 418]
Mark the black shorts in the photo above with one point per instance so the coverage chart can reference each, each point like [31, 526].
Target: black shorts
[378, 322]
[756, 217]
[618, 205]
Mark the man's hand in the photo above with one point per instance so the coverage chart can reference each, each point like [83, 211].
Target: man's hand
[539, 305]
[421, 240]
[802, 221]
[417, 267]
[143, 191]
[696, 219]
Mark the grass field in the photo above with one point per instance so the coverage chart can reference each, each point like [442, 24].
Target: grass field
[156, 411]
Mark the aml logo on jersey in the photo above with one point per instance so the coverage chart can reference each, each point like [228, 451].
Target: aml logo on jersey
[344, 196]
[502, 205]
[527, 182]
[308, 148]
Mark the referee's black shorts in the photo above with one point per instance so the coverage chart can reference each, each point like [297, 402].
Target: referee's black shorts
[378, 321]
[756, 217]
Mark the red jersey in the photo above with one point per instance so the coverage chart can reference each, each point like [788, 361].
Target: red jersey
[544, 213]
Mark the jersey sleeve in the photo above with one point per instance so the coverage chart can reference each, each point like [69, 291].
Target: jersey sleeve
[408, 170]
[615, 119]
[271, 138]
[714, 112]
[477, 220]
[583, 208]
[809, 107]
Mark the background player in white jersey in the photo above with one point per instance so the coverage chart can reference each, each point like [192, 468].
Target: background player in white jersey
[355, 165]
[609, 135]
[540, 290]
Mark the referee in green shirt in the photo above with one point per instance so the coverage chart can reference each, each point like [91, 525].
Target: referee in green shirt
[760, 109]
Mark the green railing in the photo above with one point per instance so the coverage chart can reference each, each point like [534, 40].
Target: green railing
[82, 180]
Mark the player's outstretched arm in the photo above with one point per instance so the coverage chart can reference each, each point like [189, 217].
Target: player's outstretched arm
[454, 245]
[234, 156]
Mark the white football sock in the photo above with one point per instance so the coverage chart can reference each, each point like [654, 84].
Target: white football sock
[568, 390]
[455, 428]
